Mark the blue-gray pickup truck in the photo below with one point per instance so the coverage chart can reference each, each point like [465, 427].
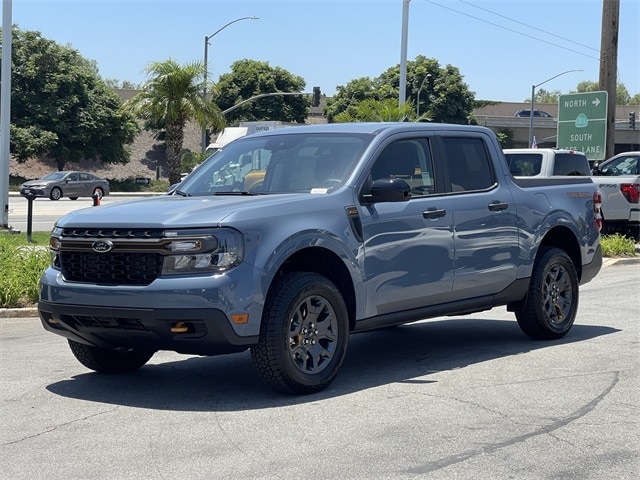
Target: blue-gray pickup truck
[288, 241]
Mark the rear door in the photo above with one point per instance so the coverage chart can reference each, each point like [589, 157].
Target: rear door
[485, 222]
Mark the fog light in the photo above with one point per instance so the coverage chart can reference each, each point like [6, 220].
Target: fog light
[179, 327]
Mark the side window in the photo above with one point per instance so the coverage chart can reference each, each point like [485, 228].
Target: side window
[410, 160]
[571, 164]
[527, 165]
[73, 177]
[468, 163]
[622, 166]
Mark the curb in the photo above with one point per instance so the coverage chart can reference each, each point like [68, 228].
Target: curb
[33, 311]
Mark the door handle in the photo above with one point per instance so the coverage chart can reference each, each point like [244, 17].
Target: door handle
[498, 206]
[433, 212]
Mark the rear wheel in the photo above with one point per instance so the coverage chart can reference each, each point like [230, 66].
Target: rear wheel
[110, 360]
[55, 194]
[304, 334]
[552, 301]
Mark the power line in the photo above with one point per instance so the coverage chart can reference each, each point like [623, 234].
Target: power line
[512, 30]
[531, 26]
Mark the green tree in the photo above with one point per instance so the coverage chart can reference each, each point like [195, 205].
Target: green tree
[622, 94]
[441, 90]
[545, 96]
[171, 97]
[348, 97]
[60, 107]
[370, 110]
[249, 78]
[505, 138]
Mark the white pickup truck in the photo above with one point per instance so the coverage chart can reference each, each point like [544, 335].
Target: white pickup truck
[618, 180]
[546, 162]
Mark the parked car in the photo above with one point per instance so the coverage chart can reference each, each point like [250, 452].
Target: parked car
[618, 180]
[66, 184]
[286, 242]
[536, 113]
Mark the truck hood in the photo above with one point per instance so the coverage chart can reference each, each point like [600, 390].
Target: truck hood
[176, 212]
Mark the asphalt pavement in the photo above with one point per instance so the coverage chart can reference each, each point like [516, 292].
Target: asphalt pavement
[466, 397]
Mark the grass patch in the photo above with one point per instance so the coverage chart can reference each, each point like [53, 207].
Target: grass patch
[21, 264]
[617, 245]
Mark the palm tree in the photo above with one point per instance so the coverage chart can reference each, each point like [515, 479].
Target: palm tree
[387, 110]
[168, 100]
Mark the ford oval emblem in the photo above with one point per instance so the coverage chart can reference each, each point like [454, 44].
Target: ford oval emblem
[102, 246]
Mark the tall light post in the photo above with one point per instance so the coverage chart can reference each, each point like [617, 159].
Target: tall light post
[427, 76]
[533, 95]
[403, 53]
[206, 67]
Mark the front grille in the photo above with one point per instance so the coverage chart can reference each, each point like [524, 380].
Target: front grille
[113, 268]
[112, 233]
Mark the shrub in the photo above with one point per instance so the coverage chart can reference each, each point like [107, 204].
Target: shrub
[618, 246]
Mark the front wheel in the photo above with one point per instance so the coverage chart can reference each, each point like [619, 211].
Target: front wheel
[55, 193]
[304, 334]
[110, 360]
[552, 300]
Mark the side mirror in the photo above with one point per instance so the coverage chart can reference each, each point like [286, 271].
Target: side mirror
[596, 170]
[388, 190]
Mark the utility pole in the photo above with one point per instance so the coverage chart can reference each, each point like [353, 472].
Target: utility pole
[609, 67]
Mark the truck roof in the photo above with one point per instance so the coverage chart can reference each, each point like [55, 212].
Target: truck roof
[376, 127]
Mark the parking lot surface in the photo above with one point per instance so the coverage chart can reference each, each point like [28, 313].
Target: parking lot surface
[450, 398]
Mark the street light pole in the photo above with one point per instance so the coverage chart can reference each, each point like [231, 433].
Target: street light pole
[533, 94]
[206, 67]
[403, 53]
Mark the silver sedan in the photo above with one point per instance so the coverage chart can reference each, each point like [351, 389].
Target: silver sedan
[70, 184]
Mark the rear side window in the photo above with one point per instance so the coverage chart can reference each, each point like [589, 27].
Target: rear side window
[571, 164]
[468, 164]
[524, 164]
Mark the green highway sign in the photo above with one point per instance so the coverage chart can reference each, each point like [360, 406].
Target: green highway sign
[582, 123]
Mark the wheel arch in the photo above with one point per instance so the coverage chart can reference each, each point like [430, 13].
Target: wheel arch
[565, 239]
[327, 263]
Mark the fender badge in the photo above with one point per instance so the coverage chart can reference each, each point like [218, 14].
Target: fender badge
[102, 246]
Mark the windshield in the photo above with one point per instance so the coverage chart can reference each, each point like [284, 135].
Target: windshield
[291, 163]
[54, 176]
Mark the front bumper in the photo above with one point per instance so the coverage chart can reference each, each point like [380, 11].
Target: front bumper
[144, 316]
[201, 331]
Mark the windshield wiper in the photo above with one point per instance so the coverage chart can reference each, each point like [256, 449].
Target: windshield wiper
[242, 193]
[181, 193]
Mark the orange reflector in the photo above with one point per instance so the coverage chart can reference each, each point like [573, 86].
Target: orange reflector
[240, 318]
[52, 320]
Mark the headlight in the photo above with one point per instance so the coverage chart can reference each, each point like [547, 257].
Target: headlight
[54, 246]
[217, 252]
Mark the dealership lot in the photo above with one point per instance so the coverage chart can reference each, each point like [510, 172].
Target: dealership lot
[466, 397]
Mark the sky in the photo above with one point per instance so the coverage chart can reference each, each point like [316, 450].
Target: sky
[501, 48]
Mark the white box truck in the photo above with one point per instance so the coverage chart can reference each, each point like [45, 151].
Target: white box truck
[229, 134]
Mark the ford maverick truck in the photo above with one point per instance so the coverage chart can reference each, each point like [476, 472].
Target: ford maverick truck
[287, 242]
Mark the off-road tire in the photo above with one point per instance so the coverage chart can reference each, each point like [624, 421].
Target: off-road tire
[552, 300]
[303, 335]
[110, 360]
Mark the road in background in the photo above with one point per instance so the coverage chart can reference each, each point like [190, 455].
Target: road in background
[466, 397]
[46, 212]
